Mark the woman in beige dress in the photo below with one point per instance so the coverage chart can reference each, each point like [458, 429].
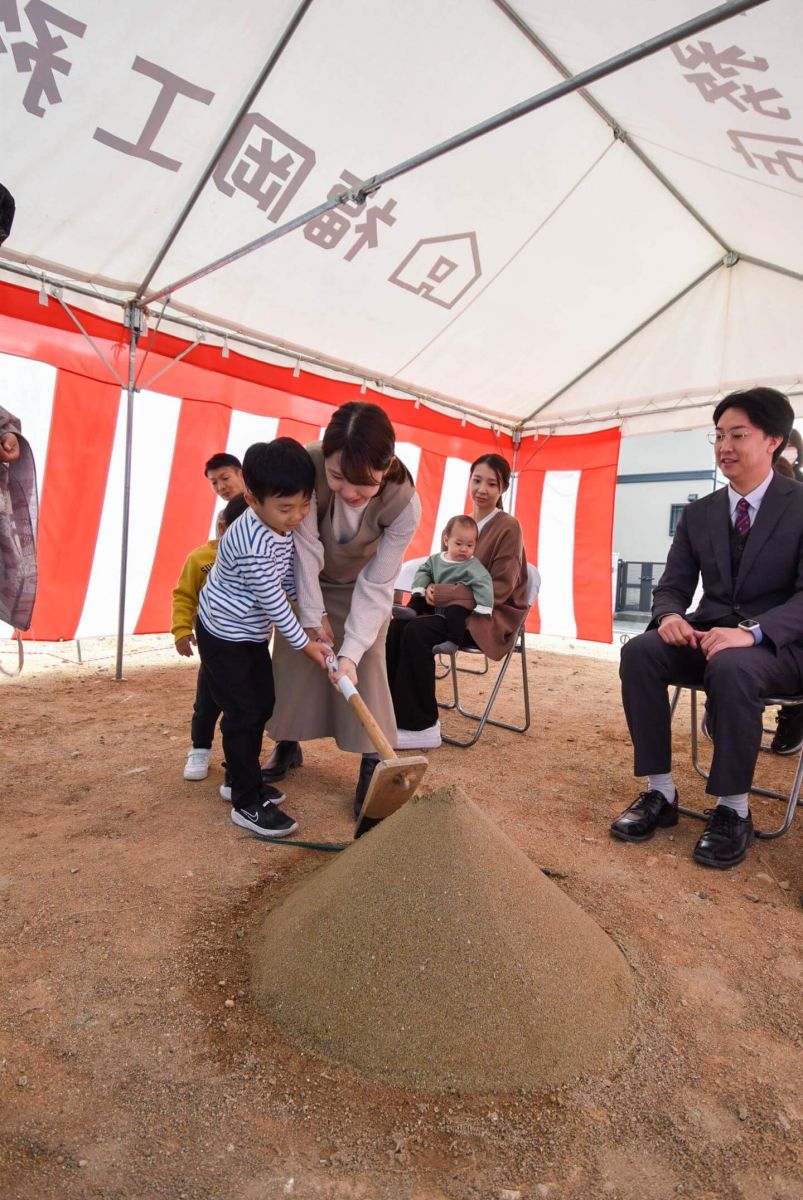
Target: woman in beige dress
[364, 513]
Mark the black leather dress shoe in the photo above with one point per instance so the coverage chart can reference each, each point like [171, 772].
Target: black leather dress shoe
[286, 756]
[650, 812]
[789, 734]
[726, 838]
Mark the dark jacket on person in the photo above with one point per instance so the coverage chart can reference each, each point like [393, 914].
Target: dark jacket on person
[762, 579]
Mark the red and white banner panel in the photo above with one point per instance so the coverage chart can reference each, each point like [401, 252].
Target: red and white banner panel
[75, 420]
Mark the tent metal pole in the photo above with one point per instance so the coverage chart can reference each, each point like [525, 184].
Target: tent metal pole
[89, 338]
[647, 410]
[133, 318]
[254, 90]
[173, 361]
[234, 336]
[623, 341]
[358, 194]
[81, 289]
[768, 266]
[621, 134]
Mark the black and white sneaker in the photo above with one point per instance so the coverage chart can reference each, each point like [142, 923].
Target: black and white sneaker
[271, 794]
[789, 734]
[265, 820]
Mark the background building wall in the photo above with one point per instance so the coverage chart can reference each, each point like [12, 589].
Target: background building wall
[650, 480]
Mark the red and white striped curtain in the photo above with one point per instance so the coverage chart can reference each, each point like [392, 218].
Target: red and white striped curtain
[75, 420]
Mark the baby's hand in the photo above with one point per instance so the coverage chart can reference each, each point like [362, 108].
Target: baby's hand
[319, 652]
[185, 644]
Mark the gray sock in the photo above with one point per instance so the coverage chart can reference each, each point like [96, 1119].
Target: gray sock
[663, 784]
[738, 803]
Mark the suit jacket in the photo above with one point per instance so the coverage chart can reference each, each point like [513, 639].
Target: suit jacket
[769, 583]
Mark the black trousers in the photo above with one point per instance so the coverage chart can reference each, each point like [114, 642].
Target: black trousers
[240, 679]
[411, 669]
[734, 681]
[205, 713]
[454, 616]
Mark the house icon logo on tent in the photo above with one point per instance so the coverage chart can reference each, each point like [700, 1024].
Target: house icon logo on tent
[440, 269]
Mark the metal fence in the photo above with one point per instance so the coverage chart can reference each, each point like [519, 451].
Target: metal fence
[634, 584]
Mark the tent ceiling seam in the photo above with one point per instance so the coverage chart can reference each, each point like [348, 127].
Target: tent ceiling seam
[206, 174]
[619, 132]
[480, 292]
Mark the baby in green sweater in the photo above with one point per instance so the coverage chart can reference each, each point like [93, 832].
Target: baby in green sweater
[455, 564]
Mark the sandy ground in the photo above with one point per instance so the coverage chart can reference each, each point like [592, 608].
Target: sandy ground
[133, 1063]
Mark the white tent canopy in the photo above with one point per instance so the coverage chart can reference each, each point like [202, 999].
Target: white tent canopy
[625, 254]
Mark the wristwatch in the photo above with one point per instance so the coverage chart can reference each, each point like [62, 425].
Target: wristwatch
[751, 626]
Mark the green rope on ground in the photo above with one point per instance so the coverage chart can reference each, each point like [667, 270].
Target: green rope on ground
[329, 847]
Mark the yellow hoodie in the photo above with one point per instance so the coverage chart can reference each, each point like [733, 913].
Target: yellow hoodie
[191, 580]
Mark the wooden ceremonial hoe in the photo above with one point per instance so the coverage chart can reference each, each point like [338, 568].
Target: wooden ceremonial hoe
[395, 779]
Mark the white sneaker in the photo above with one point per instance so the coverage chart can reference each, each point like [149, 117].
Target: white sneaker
[197, 764]
[419, 739]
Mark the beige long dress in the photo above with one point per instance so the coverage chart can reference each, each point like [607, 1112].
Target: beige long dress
[307, 706]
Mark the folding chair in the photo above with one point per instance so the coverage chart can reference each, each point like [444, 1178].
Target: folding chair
[791, 797]
[484, 718]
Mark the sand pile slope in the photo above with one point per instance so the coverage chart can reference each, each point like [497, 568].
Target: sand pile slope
[433, 953]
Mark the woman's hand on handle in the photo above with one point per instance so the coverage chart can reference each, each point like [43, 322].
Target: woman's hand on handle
[346, 669]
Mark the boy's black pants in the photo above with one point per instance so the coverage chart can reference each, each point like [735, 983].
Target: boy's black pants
[240, 679]
[205, 713]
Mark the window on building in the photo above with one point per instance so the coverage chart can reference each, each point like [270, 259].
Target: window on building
[674, 516]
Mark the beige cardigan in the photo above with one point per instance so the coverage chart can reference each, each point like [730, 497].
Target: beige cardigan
[500, 548]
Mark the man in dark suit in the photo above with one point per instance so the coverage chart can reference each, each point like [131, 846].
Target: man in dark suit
[742, 642]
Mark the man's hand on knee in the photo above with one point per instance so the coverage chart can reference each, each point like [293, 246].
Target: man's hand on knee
[676, 631]
[711, 641]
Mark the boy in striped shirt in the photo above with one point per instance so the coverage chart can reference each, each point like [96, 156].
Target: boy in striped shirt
[244, 597]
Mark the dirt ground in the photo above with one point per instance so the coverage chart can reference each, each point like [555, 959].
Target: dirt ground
[133, 1063]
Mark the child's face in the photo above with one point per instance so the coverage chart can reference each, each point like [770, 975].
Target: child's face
[282, 514]
[227, 482]
[461, 544]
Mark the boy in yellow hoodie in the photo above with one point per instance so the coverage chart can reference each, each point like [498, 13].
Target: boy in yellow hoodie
[205, 712]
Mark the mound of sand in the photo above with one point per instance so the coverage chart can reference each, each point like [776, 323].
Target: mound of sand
[433, 953]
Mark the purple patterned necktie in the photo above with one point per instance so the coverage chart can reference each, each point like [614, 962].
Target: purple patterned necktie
[742, 522]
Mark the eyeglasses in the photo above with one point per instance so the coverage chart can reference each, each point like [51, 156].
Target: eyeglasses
[716, 437]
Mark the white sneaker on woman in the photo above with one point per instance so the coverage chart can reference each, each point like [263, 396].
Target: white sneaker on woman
[197, 764]
[419, 739]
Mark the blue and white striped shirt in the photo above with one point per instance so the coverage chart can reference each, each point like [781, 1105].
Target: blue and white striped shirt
[244, 595]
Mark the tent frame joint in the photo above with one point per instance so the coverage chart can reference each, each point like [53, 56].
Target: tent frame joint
[135, 318]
